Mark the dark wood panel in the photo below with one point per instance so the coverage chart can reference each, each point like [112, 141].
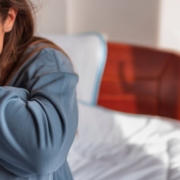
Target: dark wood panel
[136, 62]
[138, 87]
[141, 80]
[128, 103]
[169, 94]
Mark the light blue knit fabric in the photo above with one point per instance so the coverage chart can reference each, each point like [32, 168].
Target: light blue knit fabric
[38, 118]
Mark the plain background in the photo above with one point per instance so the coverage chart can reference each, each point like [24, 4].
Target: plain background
[153, 23]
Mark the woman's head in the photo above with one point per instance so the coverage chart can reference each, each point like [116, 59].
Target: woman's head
[16, 16]
[7, 19]
[16, 30]
[16, 35]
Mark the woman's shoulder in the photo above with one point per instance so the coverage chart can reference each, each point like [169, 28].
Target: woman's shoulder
[63, 61]
[42, 63]
[49, 60]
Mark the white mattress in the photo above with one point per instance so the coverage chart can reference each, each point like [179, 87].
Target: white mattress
[119, 146]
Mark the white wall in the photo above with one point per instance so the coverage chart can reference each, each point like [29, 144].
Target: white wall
[51, 16]
[154, 23]
[131, 21]
[169, 27]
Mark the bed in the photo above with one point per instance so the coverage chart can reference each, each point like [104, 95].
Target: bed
[110, 144]
[119, 146]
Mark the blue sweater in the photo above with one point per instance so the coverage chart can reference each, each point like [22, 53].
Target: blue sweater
[38, 118]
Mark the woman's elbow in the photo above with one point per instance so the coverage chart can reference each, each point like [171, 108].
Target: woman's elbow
[47, 161]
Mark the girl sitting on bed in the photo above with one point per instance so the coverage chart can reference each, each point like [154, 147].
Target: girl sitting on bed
[38, 107]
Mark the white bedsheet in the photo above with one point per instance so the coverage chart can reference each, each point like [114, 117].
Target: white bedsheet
[119, 146]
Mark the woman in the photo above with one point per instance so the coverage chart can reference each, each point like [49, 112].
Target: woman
[38, 106]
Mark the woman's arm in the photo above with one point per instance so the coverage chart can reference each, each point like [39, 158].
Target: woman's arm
[38, 126]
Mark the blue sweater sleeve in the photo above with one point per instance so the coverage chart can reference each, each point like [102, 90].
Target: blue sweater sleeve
[38, 124]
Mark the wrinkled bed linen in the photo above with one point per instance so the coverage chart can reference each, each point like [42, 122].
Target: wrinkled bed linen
[111, 145]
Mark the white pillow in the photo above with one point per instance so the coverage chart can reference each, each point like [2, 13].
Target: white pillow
[88, 52]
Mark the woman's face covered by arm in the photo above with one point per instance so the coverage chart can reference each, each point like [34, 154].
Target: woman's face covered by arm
[7, 26]
[1, 37]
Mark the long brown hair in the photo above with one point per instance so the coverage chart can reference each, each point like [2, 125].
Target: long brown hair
[17, 41]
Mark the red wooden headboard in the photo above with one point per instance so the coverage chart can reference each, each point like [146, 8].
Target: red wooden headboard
[141, 80]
